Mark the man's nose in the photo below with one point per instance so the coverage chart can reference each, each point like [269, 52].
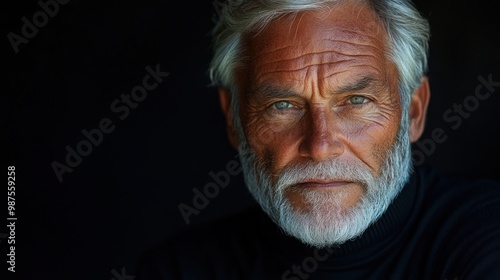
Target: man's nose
[321, 140]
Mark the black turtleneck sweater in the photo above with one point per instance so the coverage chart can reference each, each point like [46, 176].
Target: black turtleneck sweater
[437, 228]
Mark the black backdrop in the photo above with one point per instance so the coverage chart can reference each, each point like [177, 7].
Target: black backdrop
[123, 197]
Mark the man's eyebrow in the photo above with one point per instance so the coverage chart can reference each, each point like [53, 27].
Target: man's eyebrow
[268, 91]
[357, 85]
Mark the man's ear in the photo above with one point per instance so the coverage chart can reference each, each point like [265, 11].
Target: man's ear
[225, 104]
[418, 109]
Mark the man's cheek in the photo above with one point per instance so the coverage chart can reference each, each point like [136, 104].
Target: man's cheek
[265, 133]
[370, 142]
[276, 149]
[260, 136]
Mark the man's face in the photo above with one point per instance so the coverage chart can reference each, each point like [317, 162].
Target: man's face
[322, 134]
[320, 88]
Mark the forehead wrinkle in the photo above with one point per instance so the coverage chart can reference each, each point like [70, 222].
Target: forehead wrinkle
[329, 68]
[334, 46]
[322, 68]
[320, 46]
[322, 58]
[330, 62]
[305, 68]
[375, 68]
[357, 44]
[333, 57]
[354, 27]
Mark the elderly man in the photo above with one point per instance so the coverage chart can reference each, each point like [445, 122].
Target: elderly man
[323, 100]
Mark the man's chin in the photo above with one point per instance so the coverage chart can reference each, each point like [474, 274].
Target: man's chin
[321, 229]
[325, 221]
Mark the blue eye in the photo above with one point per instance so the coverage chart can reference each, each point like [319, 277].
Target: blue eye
[282, 105]
[357, 99]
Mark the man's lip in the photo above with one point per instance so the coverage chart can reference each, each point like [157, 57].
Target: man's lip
[324, 184]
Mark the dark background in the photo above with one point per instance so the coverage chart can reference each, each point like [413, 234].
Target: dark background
[124, 196]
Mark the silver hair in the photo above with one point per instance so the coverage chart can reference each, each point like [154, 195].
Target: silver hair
[408, 34]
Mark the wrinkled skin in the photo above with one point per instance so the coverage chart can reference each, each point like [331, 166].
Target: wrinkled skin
[320, 86]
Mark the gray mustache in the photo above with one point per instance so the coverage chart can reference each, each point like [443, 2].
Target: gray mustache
[337, 169]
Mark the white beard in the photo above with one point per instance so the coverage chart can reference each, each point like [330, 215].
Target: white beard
[326, 222]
